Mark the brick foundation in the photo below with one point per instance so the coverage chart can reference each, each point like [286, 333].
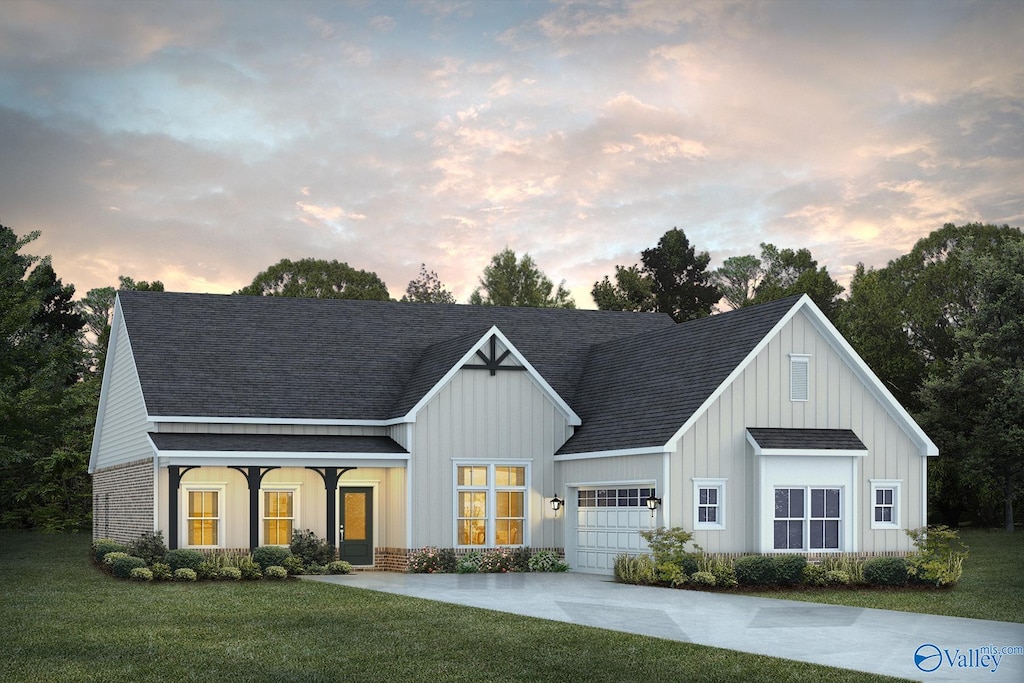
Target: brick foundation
[122, 501]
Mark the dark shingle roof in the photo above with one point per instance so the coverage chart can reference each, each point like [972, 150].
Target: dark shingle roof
[638, 391]
[275, 443]
[807, 439]
[223, 356]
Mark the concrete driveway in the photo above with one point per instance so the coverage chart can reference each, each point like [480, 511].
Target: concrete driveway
[916, 646]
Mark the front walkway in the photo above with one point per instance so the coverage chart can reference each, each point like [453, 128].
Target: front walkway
[877, 641]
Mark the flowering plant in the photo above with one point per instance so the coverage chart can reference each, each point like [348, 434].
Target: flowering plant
[431, 560]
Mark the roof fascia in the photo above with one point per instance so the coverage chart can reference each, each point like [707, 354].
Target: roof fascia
[673, 442]
[614, 453]
[270, 459]
[112, 348]
[893, 407]
[276, 421]
[571, 416]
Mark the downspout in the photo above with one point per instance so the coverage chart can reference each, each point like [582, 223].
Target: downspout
[408, 486]
[666, 498]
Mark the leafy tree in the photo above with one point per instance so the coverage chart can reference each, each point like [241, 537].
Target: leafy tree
[427, 289]
[97, 307]
[737, 279]
[673, 279]
[785, 272]
[317, 278]
[511, 281]
[632, 291]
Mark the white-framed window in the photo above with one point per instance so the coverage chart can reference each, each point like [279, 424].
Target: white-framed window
[279, 513]
[799, 377]
[808, 518]
[885, 503]
[490, 503]
[709, 504]
[203, 513]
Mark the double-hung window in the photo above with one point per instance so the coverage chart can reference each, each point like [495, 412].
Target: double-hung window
[709, 503]
[204, 519]
[885, 503]
[807, 518]
[490, 504]
[279, 509]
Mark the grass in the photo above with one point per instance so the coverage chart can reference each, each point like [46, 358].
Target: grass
[992, 586]
[63, 620]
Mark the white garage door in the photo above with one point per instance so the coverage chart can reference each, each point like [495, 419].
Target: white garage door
[608, 523]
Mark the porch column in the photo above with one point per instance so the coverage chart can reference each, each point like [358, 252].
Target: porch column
[174, 475]
[254, 477]
[331, 475]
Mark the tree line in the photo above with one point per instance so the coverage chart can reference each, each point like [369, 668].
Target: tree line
[942, 326]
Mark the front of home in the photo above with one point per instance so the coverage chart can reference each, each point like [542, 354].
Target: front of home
[228, 422]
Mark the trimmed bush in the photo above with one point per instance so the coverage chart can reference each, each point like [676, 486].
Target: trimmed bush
[837, 577]
[468, 564]
[184, 558]
[813, 575]
[722, 568]
[149, 546]
[122, 567]
[431, 560]
[547, 561]
[270, 555]
[310, 548]
[315, 569]
[110, 558]
[294, 565]
[102, 546]
[339, 567]
[521, 559]
[207, 570]
[275, 572]
[886, 571]
[756, 570]
[498, 561]
[141, 574]
[789, 568]
[162, 572]
[671, 574]
[249, 569]
[703, 579]
[184, 574]
[635, 569]
[229, 574]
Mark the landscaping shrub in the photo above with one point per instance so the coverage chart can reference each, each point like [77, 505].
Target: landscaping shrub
[837, 577]
[547, 561]
[270, 555]
[851, 567]
[703, 579]
[141, 574]
[431, 560]
[110, 558]
[521, 559]
[939, 560]
[229, 574]
[669, 546]
[314, 569]
[468, 563]
[722, 568]
[275, 572]
[310, 548]
[249, 569]
[122, 567]
[756, 570]
[161, 571]
[184, 558]
[149, 546]
[339, 567]
[293, 565]
[635, 569]
[184, 574]
[813, 575]
[886, 571]
[497, 561]
[789, 568]
[102, 546]
[671, 574]
[207, 570]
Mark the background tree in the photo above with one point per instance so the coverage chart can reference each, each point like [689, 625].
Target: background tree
[427, 289]
[737, 278]
[317, 278]
[510, 281]
[97, 307]
[785, 272]
[673, 279]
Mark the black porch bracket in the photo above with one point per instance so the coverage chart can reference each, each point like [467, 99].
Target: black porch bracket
[331, 475]
[174, 475]
[254, 477]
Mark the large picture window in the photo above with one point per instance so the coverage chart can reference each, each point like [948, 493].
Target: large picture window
[490, 504]
[807, 518]
[203, 517]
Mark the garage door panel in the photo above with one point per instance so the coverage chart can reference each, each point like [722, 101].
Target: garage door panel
[608, 523]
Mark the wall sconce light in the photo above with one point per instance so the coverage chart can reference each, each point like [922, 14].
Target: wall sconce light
[556, 503]
[653, 503]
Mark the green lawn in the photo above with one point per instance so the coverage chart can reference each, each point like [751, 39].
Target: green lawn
[63, 620]
[992, 586]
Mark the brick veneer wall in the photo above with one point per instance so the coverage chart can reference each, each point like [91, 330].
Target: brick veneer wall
[122, 501]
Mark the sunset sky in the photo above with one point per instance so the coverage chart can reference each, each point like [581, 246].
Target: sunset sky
[200, 142]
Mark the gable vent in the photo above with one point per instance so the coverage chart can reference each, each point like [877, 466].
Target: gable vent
[798, 377]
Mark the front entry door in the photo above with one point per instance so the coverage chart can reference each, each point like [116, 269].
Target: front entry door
[356, 524]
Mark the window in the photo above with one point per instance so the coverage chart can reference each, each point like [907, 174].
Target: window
[709, 503]
[278, 516]
[885, 504]
[490, 503]
[799, 376]
[203, 518]
[610, 498]
[799, 526]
